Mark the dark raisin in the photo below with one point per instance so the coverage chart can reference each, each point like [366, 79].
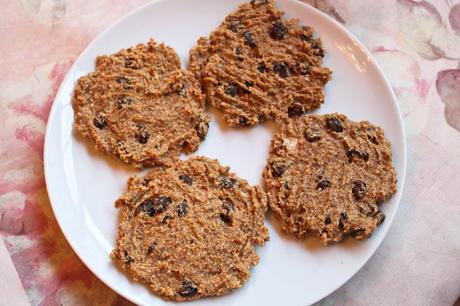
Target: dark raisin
[201, 128]
[320, 175]
[147, 207]
[161, 204]
[182, 209]
[317, 49]
[286, 185]
[278, 30]
[226, 182]
[359, 189]
[248, 39]
[262, 67]
[372, 136]
[315, 44]
[155, 206]
[373, 139]
[295, 110]
[151, 248]
[121, 79]
[353, 153]
[319, 52]
[145, 182]
[234, 25]
[248, 83]
[357, 234]
[278, 170]
[183, 91]
[313, 135]
[185, 144]
[323, 185]
[121, 101]
[186, 179]
[304, 37]
[124, 81]
[128, 258]
[188, 289]
[99, 122]
[243, 121]
[245, 90]
[327, 220]
[231, 90]
[166, 219]
[227, 205]
[343, 218]
[281, 69]
[131, 63]
[226, 218]
[364, 156]
[143, 136]
[370, 209]
[334, 124]
[341, 224]
[238, 51]
[380, 217]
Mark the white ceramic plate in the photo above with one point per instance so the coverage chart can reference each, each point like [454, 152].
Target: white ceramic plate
[83, 184]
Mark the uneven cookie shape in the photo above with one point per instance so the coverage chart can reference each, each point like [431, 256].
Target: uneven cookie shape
[140, 107]
[326, 176]
[258, 65]
[190, 231]
[154, 60]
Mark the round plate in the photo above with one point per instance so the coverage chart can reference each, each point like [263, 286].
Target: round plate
[83, 184]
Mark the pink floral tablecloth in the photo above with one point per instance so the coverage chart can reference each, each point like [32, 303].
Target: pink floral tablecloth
[417, 43]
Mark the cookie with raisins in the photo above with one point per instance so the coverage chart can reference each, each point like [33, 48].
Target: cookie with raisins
[258, 65]
[327, 175]
[140, 107]
[190, 230]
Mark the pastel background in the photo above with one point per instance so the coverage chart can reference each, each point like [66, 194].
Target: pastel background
[417, 43]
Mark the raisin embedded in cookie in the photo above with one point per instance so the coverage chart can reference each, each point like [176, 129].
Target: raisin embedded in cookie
[190, 231]
[258, 65]
[326, 176]
[140, 107]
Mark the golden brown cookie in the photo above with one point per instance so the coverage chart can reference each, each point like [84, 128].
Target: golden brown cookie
[190, 231]
[258, 65]
[140, 107]
[326, 176]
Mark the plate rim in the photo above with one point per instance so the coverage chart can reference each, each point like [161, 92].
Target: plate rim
[342, 28]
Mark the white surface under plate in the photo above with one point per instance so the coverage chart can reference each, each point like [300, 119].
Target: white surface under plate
[83, 184]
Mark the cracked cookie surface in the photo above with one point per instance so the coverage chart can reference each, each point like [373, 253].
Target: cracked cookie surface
[190, 230]
[326, 176]
[140, 107]
[257, 65]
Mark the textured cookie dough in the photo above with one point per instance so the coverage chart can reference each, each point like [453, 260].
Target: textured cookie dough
[154, 61]
[140, 107]
[257, 65]
[190, 231]
[326, 176]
